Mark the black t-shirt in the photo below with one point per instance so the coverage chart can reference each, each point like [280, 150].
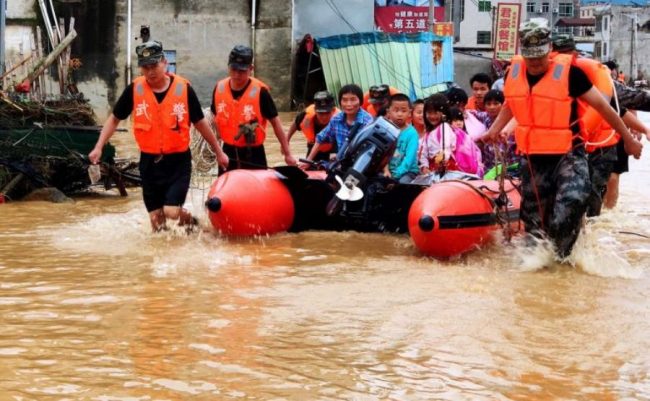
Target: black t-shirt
[267, 105]
[301, 116]
[124, 105]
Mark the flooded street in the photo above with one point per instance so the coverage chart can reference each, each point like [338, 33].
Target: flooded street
[95, 307]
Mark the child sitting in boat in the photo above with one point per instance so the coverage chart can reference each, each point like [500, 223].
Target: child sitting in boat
[340, 126]
[403, 165]
[493, 102]
[445, 148]
[417, 117]
[474, 121]
[456, 118]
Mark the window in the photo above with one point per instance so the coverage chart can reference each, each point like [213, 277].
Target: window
[462, 10]
[604, 49]
[605, 22]
[597, 46]
[170, 56]
[484, 6]
[483, 37]
[545, 7]
[530, 7]
[599, 24]
[566, 10]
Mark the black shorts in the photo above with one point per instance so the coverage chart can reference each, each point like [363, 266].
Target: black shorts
[250, 158]
[622, 165]
[166, 179]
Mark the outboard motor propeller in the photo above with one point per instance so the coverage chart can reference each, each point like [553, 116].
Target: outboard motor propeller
[365, 154]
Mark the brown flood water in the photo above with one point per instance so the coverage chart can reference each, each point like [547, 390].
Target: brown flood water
[94, 307]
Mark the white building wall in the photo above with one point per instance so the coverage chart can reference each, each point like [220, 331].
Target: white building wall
[20, 9]
[474, 22]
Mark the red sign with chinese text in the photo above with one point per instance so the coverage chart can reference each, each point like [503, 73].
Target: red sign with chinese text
[506, 34]
[405, 19]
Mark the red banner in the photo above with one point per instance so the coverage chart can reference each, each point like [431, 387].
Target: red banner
[506, 31]
[408, 19]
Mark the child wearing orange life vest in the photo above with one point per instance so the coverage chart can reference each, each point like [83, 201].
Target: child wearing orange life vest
[445, 147]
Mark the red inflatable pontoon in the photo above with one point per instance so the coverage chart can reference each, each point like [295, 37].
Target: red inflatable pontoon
[453, 217]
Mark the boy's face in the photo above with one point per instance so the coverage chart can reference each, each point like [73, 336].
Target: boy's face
[479, 89]
[493, 108]
[399, 112]
[350, 104]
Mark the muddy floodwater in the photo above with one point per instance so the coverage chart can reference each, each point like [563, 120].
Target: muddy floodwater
[95, 307]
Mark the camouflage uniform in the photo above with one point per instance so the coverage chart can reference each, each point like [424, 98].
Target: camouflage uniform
[601, 163]
[557, 188]
[554, 188]
[631, 98]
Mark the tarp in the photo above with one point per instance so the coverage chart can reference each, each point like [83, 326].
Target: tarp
[417, 64]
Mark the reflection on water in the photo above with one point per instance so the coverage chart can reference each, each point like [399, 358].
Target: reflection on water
[94, 307]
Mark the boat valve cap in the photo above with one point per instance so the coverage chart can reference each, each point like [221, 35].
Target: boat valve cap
[426, 223]
[213, 204]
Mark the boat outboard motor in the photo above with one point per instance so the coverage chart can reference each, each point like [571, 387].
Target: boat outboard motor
[365, 155]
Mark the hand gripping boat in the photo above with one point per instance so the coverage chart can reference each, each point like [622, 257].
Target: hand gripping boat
[453, 215]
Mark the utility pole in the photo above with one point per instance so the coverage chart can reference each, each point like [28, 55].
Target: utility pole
[432, 20]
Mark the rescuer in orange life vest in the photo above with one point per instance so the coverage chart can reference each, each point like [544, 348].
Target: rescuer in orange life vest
[163, 106]
[541, 94]
[375, 101]
[312, 121]
[242, 106]
[601, 139]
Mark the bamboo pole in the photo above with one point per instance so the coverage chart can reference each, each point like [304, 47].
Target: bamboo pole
[51, 58]
[15, 67]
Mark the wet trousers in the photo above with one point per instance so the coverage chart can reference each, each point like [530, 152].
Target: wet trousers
[554, 191]
[601, 164]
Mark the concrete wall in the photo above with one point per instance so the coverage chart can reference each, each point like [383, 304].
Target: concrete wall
[465, 66]
[201, 31]
[273, 49]
[20, 9]
[19, 36]
[620, 40]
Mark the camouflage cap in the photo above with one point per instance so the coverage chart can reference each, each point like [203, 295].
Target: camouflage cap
[379, 93]
[563, 42]
[149, 53]
[323, 102]
[534, 36]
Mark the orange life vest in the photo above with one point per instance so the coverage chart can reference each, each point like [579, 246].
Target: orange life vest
[471, 103]
[231, 113]
[369, 107]
[596, 130]
[542, 115]
[161, 128]
[307, 126]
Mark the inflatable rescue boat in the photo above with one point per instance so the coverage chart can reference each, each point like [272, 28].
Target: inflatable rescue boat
[445, 215]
